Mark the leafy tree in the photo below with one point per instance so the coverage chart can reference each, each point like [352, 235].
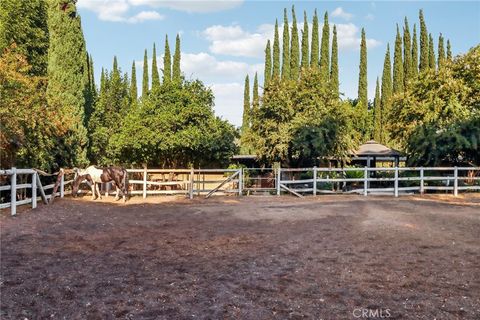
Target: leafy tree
[449, 51]
[29, 126]
[363, 123]
[155, 75]
[24, 23]
[256, 98]
[431, 53]
[407, 55]
[305, 59]
[276, 53]
[66, 79]
[294, 49]
[424, 64]
[315, 42]
[268, 64]
[398, 65]
[334, 80]
[441, 52]
[286, 48]
[246, 106]
[167, 62]
[325, 50]
[377, 107]
[145, 84]
[133, 86]
[176, 72]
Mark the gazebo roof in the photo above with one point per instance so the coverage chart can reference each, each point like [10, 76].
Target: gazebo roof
[374, 149]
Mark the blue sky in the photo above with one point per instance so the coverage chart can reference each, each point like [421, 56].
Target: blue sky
[222, 41]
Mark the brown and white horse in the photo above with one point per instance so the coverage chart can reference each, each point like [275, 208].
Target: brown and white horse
[95, 176]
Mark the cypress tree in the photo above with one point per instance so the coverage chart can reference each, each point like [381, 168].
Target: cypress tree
[176, 72]
[89, 93]
[25, 24]
[66, 78]
[155, 75]
[256, 100]
[431, 53]
[334, 68]
[305, 58]
[398, 65]
[325, 51]
[315, 42]
[246, 106]
[407, 54]
[167, 62]
[424, 60]
[441, 52]
[276, 53]
[268, 65]
[145, 75]
[449, 51]
[133, 85]
[286, 48]
[385, 99]
[414, 52]
[92, 74]
[377, 115]
[362, 78]
[294, 49]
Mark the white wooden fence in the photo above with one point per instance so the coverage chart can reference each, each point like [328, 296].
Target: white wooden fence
[297, 181]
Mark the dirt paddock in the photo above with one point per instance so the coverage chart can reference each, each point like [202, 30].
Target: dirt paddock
[243, 258]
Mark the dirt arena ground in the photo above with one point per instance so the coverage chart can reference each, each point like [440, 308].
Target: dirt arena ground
[332, 257]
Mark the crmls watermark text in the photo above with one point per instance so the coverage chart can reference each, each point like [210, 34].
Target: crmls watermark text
[365, 313]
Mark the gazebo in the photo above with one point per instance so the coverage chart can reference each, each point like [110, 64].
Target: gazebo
[372, 152]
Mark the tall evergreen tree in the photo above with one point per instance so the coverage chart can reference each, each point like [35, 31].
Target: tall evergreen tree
[315, 42]
[167, 62]
[431, 52]
[155, 75]
[256, 99]
[268, 65]
[294, 49]
[377, 121]
[385, 100]
[414, 52]
[89, 92]
[25, 24]
[398, 65]
[407, 54]
[424, 60]
[325, 51]
[133, 85]
[449, 51]
[286, 48]
[176, 72]
[305, 58]
[145, 84]
[362, 78]
[276, 53]
[334, 65]
[441, 51]
[66, 78]
[246, 106]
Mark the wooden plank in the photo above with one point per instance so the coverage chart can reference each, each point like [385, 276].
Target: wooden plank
[42, 192]
[13, 194]
[222, 184]
[291, 191]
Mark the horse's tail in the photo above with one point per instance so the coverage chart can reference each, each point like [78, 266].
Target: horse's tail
[125, 182]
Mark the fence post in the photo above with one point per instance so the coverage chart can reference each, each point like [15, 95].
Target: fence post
[34, 190]
[62, 186]
[422, 185]
[315, 180]
[455, 182]
[191, 184]
[144, 182]
[279, 176]
[240, 182]
[13, 193]
[365, 181]
[395, 183]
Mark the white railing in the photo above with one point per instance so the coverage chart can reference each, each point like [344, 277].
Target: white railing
[297, 181]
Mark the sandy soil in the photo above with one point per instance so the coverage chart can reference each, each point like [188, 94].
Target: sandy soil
[243, 258]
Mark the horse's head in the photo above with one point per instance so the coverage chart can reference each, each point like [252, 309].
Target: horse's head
[76, 183]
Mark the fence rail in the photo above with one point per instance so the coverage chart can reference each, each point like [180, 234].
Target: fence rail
[297, 181]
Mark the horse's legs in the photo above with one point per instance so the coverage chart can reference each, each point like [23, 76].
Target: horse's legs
[98, 190]
[117, 194]
[93, 191]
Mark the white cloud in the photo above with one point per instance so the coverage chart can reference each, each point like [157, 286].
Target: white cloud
[200, 6]
[229, 101]
[370, 16]
[340, 13]
[117, 11]
[349, 37]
